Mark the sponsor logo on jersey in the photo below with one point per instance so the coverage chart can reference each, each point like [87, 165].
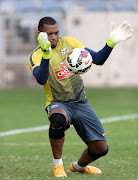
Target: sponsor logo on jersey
[54, 106]
[65, 51]
[63, 72]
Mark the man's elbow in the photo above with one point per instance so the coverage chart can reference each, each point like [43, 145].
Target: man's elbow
[99, 63]
[41, 82]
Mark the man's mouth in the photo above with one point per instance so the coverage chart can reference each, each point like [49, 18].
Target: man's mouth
[53, 42]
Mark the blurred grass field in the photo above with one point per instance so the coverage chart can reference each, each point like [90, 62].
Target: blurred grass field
[28, 155]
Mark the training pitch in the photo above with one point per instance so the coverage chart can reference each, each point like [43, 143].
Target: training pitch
[25, 151]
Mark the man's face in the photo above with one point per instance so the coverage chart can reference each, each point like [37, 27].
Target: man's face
[53, 34]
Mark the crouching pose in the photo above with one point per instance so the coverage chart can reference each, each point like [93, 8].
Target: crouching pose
[66, 101]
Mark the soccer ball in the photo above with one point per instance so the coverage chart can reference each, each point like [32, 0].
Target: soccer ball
[79, 61]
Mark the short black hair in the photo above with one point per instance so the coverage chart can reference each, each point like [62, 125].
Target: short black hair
[46, 20]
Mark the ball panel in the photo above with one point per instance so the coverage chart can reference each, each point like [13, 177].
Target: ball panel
[79, 61]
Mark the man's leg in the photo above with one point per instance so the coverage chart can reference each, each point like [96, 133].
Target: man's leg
[58, 119]
[57, 142]
[95, 150]
[57, 146]
[89, 128]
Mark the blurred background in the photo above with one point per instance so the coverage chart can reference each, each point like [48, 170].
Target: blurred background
[88, 21]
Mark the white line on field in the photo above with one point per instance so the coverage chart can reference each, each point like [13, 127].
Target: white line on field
[38, 144]
[119, 118]
[42, 128]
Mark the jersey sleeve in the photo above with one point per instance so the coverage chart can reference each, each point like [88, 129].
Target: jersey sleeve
[35, 58]
[75, 43]
[101, 56]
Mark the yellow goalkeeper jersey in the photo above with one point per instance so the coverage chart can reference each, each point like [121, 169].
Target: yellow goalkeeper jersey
[62, 85]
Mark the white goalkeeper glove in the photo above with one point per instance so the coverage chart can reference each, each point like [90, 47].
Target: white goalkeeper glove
[45, 45]
[123, 32]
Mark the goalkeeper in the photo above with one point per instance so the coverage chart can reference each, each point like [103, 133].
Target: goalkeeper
[66, 101]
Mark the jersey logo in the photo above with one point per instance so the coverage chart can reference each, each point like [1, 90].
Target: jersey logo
[65, 51]
[63, 72]
[54, 106]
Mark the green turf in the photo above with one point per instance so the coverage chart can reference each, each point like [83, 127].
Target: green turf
[28, 156]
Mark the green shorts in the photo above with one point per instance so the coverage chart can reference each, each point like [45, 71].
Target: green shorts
[83, 118]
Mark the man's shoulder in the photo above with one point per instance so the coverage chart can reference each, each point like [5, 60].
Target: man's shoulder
[67, 38]
[36, 50]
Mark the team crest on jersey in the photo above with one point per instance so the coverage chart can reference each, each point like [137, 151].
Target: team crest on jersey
[65, 51]
[63, 72]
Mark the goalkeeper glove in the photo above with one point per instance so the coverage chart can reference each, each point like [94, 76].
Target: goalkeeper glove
[45, 45]
[123, 32]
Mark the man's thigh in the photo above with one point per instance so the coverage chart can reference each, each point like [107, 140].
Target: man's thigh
[87, 124]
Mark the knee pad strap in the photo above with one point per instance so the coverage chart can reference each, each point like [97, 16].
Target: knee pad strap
[97, 155]
[57, 126]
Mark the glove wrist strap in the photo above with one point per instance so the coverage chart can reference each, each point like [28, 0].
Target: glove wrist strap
[46, 56]
[110, 43]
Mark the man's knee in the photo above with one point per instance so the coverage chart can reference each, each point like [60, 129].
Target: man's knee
[97, 155]
[57, 126]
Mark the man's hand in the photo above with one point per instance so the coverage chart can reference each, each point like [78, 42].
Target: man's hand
[123, 32]
[45, 45]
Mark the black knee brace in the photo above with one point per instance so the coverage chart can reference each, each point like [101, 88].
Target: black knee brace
[57, 126]
[97, 155]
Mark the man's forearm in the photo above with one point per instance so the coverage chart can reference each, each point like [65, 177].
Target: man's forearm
[41, 72]
[101, 56]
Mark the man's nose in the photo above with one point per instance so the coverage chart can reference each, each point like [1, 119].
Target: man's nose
[53, 36]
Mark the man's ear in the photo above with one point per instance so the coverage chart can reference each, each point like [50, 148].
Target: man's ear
[38, 32]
